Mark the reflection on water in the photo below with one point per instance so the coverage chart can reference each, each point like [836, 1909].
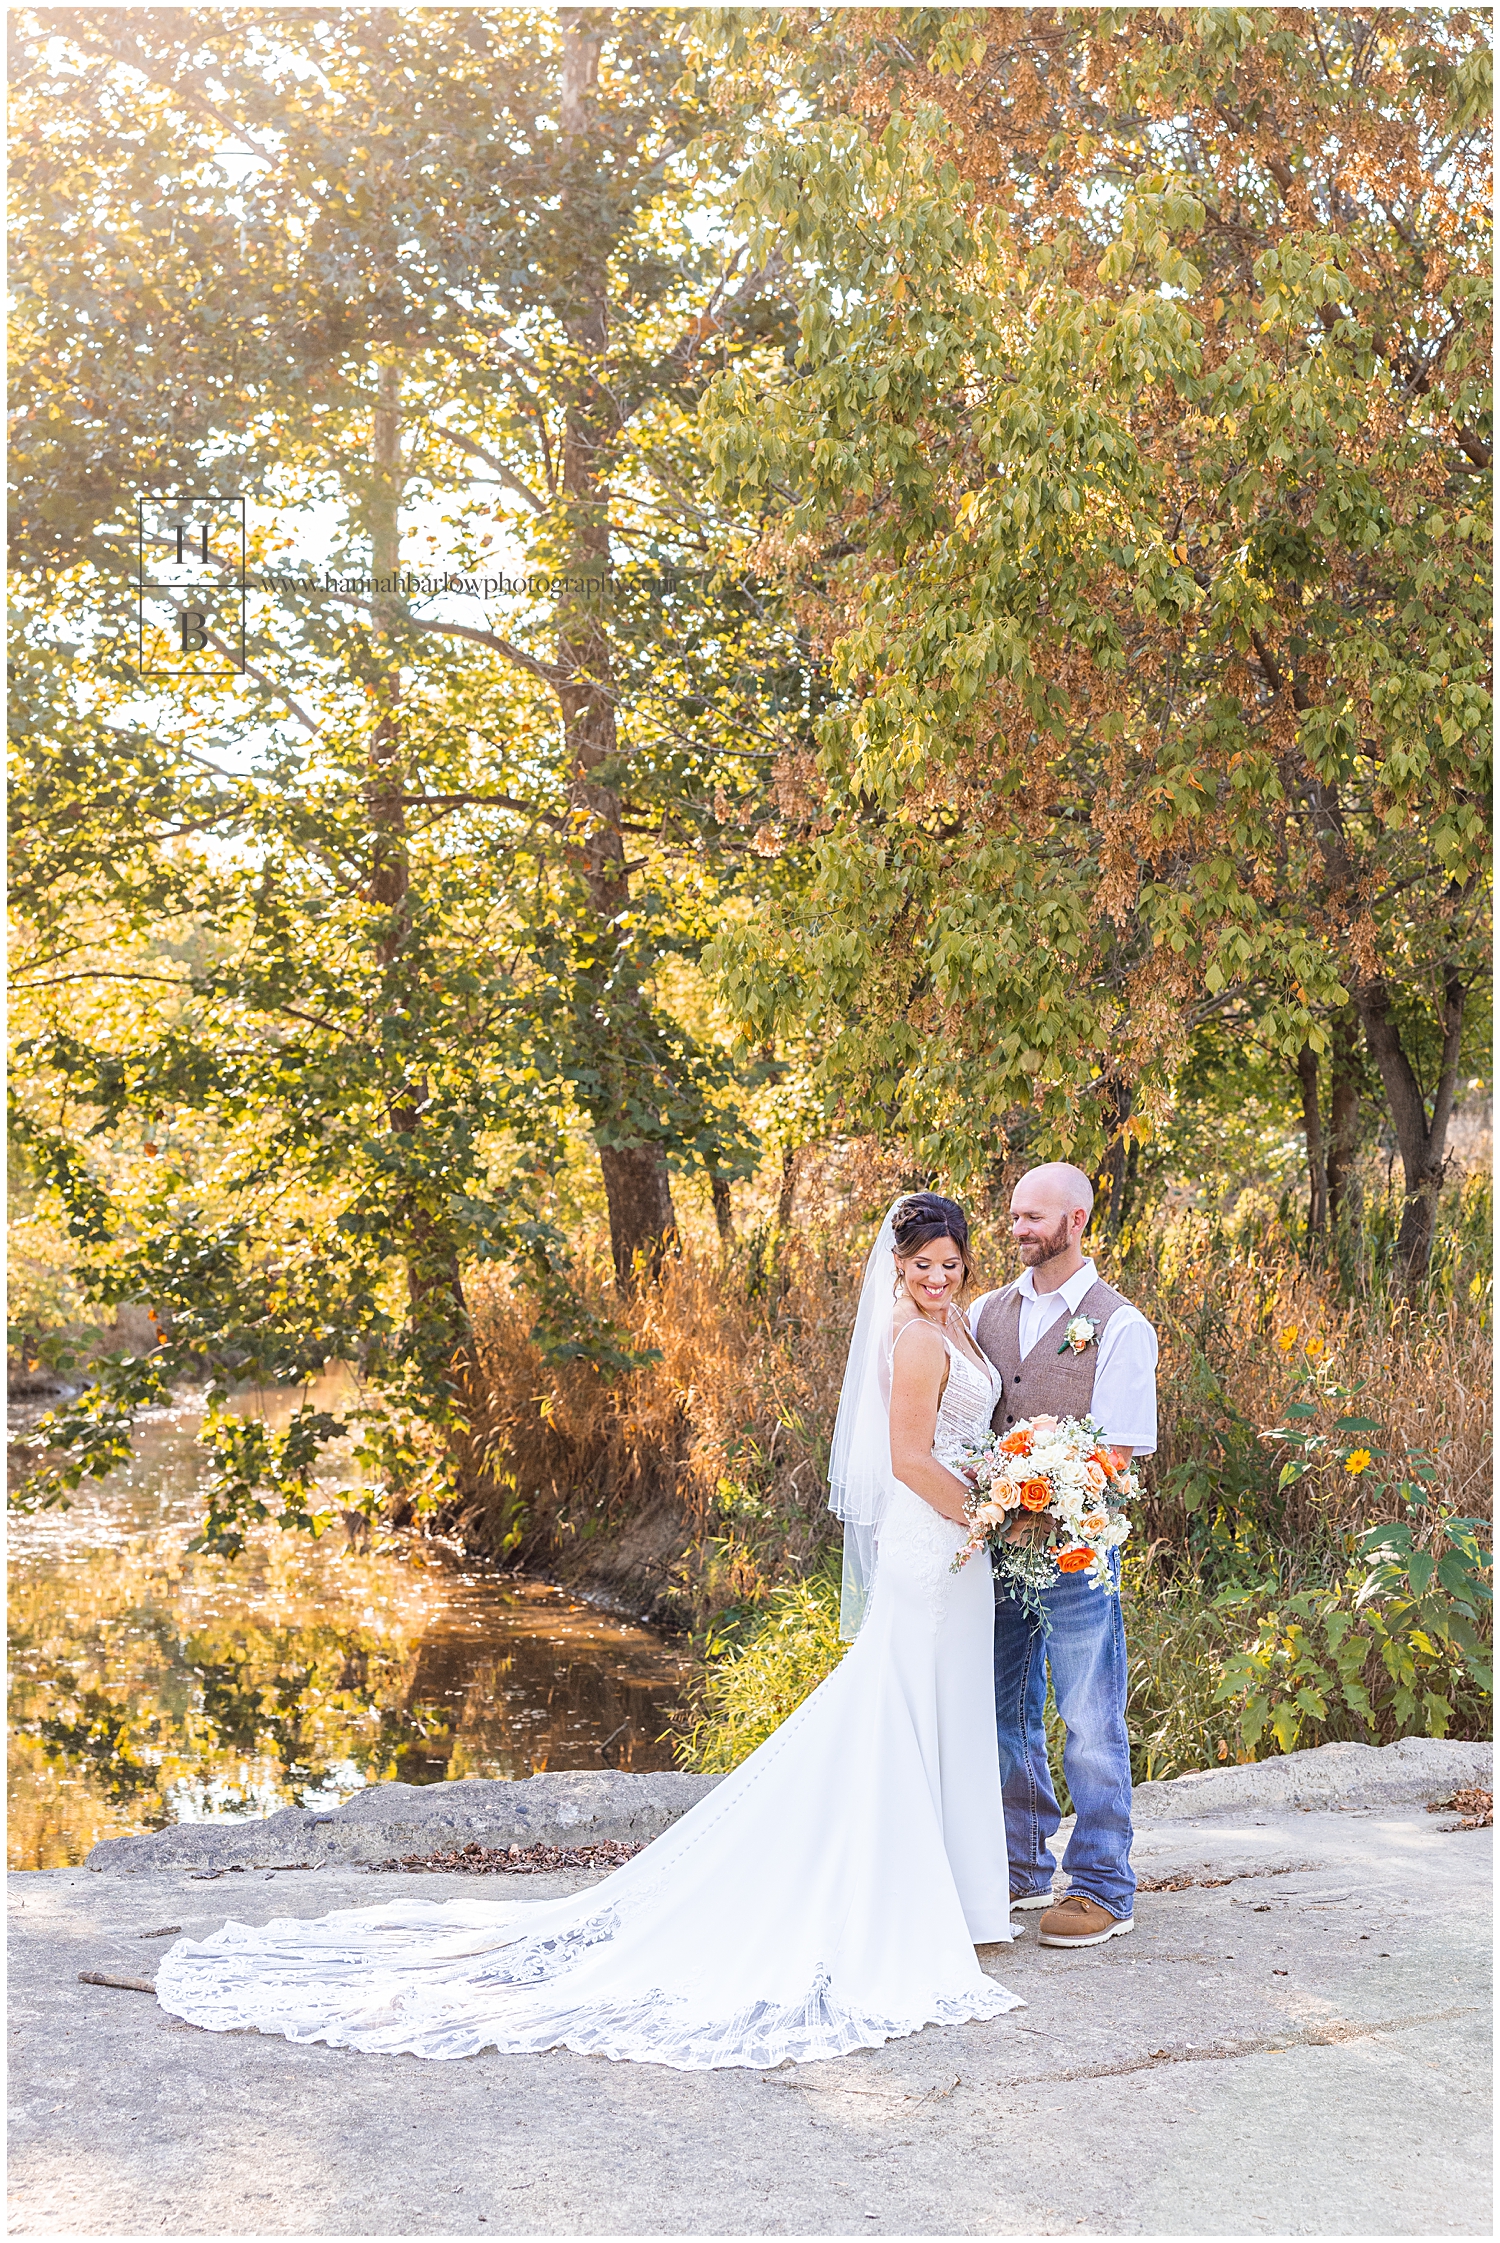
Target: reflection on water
[150, 1687]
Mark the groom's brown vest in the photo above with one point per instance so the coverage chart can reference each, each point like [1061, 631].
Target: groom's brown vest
[1045, 1382]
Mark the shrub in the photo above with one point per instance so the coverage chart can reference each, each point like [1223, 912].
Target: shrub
[1234, 1676]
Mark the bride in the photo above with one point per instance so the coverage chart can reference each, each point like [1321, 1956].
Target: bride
[827, 1895]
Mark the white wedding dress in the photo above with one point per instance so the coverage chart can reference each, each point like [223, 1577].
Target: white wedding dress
[826, 1896]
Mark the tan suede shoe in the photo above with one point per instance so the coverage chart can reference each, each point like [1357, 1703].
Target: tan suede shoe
[1080, 1922]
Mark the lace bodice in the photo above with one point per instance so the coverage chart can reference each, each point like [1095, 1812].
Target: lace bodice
[968, 1401]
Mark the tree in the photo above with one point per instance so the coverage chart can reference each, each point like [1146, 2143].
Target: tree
[1134, 462]
[325, 961]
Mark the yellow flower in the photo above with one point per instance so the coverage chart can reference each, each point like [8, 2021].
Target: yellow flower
[1286, 1339]
[1314, 1348]
[1358, 1460]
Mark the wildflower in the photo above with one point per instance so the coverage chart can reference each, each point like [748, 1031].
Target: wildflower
[1314, 1348]
[1358, 1460]
[1286, 1338]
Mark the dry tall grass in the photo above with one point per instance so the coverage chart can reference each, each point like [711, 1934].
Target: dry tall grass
[695, 1483]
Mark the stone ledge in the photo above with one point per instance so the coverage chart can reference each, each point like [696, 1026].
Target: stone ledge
[390, 1819]
[584, 1808]
[1413, 1772]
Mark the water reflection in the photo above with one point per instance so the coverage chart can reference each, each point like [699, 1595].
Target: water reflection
[149, 1686]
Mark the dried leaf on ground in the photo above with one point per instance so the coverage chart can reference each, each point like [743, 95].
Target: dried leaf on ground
[475, 1860]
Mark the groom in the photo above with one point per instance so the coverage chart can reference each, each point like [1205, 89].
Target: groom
[1105, 1369]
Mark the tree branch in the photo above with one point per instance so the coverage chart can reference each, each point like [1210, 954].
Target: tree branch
[510, 481]
[548, 672]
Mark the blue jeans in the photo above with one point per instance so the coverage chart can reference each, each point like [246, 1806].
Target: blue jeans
[1086, 1653]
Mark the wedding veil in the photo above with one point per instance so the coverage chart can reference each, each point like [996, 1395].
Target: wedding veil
[859, 1467]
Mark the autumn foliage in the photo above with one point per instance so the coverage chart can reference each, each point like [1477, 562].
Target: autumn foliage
[1134, 471]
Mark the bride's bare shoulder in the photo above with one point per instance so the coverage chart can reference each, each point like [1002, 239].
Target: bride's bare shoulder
[902, 1321]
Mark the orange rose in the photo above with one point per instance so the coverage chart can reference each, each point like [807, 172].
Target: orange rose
[1074, 1561]
[1017, 1444]
[1036, 1494]
[1104, 1458]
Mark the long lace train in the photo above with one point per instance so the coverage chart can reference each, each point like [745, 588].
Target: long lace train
[826, 1896]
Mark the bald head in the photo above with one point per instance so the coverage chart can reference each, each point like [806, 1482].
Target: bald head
[1049, 1212]
[1065, 1186]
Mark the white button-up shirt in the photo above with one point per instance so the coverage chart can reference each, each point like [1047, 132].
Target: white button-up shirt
[1124, 1403]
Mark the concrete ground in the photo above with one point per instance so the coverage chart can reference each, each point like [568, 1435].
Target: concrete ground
[1302, 2050]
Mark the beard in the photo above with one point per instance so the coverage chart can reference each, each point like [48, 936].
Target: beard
[1034, 1253]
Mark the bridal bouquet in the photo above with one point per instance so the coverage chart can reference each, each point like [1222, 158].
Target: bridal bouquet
[1058, 1469]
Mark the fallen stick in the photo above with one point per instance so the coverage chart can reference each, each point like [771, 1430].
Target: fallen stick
[108, 1978]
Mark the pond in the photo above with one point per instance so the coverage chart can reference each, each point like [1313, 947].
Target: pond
[149, 1686]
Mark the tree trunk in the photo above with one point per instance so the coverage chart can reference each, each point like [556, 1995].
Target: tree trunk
[390, 874]
[1422, 1137]
[636, 1181]
[641, 1222]
[1343, 1119]
[1312, 1126]
[437, 1311]
[1113, 1173]
[723, 1207]
[788, 1191]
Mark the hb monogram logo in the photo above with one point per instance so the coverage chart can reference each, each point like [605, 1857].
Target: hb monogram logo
[190, 585]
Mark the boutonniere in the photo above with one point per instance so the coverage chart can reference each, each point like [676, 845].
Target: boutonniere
[1081, 1333]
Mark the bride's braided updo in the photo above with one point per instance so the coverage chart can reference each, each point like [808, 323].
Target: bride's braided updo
[924, 1216]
